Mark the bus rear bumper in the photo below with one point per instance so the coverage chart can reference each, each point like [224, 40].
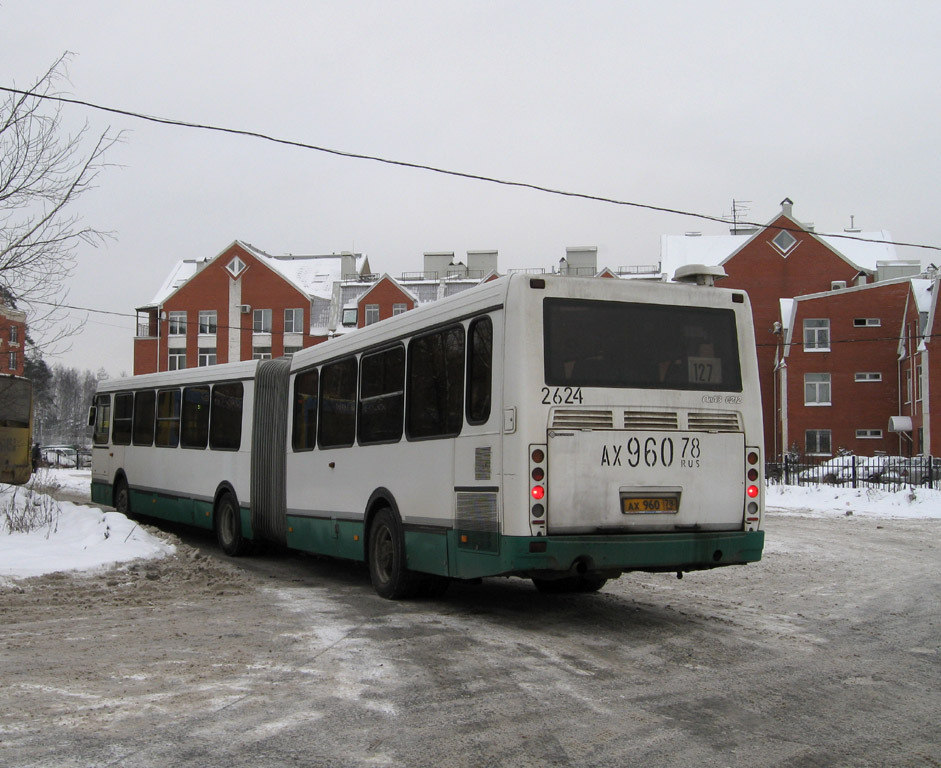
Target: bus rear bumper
[543, 556]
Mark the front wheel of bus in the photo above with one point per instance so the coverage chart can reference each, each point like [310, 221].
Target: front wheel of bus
[390, 578]
[122, 498]
[228, 524]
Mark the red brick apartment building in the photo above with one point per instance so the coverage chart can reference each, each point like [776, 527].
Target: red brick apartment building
[920, 370]
[832, 283]
[12, 340]
[245, 304]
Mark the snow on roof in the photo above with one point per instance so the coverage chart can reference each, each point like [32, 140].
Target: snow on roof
[922, 289]
[182, 271]
[679, 250]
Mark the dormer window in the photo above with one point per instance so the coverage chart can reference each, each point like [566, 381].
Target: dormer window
[784, 241]
[236, 267]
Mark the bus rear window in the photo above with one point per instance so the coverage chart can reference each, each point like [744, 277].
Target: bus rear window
[646, 346]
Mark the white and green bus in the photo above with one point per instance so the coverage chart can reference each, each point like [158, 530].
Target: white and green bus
[561, 429]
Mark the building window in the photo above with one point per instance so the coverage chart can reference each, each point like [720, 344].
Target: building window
[207, 321]
[349, 317]
[399, 309]
[872, 376]
[291, 350]
[176, 361]
[908, 386]
[207, 356]
[261, 353]
[236, 267]
[817, 335]
[817, 441]
[261, 321]
[13, 361]
[816, 389]
[14, 334]
[868, 434]
[784, 241]
[918, 383]
[867, 322]
[177, 323]
[294, 321]
[372, 314]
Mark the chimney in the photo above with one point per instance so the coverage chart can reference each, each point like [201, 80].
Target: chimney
[787, 206]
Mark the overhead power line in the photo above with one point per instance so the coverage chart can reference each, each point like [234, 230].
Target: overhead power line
[434, 169]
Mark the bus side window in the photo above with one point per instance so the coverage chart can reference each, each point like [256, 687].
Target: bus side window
[144, 403]
[338, 404]
[479, 370]
[123, 419]
[304, 431]
[382, 396]
[435, 406]
[225, 417]
[194, 430]
[102, 419]
[168, 418]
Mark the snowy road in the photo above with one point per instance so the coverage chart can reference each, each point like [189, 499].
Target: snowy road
[825, 653]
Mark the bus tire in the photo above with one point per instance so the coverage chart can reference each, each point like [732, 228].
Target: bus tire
[387, 571]
[122, 497]
[588, 583]
[556, 586]
[228, 524]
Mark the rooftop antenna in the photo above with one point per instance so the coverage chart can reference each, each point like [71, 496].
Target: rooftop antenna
[739, 213]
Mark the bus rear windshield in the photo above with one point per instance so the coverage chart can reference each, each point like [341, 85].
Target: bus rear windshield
[647, 346]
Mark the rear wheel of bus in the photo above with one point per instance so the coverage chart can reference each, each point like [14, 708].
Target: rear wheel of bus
[390, 578]
[228, 524]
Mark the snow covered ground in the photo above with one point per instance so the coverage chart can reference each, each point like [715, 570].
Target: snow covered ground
[85, 538]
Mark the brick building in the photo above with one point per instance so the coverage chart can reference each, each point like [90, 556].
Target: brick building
[919, 412]
[838, 369]
[246, 304]
[12, 340]
[787, 260]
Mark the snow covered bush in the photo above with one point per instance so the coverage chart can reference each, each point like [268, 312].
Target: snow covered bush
[31, 507]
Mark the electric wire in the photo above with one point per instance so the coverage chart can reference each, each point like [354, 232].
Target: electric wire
[444, 171]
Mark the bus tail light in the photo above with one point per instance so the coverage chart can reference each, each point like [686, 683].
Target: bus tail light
[538, 475]
[752, 488]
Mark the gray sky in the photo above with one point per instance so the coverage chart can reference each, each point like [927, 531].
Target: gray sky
[684, 105]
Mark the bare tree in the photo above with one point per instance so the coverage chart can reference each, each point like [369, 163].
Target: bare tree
[44, 170]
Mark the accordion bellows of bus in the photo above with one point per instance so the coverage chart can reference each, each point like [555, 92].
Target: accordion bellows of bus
[561, 429]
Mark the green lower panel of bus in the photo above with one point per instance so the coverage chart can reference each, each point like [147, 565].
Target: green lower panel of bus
[194, 512]
[683, 551]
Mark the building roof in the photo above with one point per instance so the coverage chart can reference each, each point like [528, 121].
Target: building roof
[313, 275]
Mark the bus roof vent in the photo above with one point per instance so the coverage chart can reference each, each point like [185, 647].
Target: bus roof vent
[699, 274]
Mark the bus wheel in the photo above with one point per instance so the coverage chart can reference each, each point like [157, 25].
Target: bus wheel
[390, 578]
[228, 525]
[590, 583]
[122, 498]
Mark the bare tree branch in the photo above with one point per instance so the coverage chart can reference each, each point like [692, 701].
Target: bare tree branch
[44, 171]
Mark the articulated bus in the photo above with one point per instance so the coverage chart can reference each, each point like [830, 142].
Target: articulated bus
[560, 429]
[16, 429]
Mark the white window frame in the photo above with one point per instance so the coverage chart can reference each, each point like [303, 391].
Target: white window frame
[290, 350]
[817, 449]
[12, 361]
[868, 434]
[14, 334]
[817, 334]
[208, 321]
[371, 314]
[207, 356]
[399, 309]
[817, 390]
[867, 322]
[176, 323]
[294, 320]
[870, 376]
[174, 360]
[918, 373]
[350, 317]
[261, 353]
[261, 321]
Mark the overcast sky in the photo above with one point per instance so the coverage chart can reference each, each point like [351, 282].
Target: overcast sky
[677, 104]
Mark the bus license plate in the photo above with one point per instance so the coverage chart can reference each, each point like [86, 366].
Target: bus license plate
[649, 505]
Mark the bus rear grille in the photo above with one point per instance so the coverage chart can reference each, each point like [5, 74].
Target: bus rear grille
[650, 420]
[577, 418]
[713, 422]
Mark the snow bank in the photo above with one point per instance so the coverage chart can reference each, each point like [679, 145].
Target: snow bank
[81, 538]
[824, 500]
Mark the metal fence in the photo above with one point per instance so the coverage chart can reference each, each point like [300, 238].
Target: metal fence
[887, 472]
